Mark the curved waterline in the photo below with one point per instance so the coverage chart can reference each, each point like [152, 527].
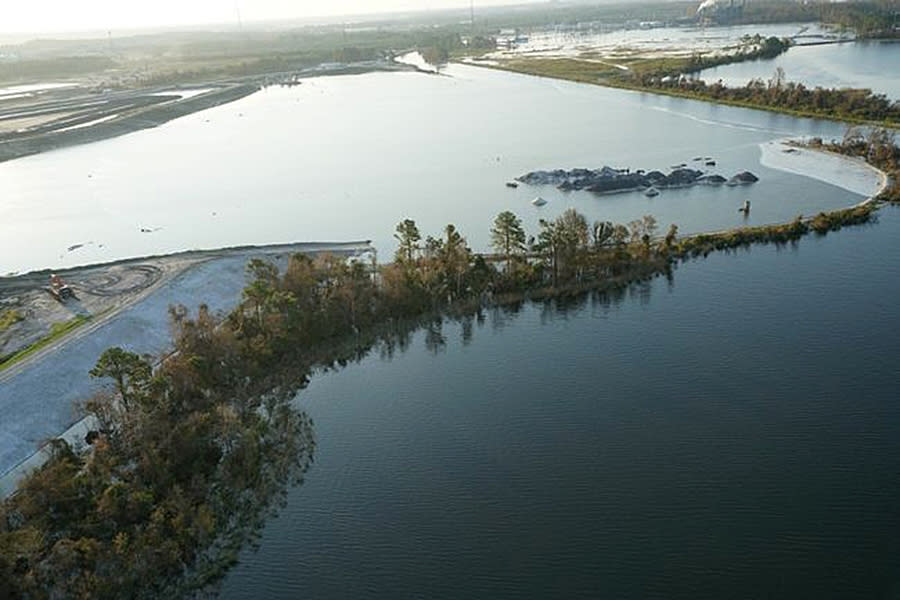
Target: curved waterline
[849, 173]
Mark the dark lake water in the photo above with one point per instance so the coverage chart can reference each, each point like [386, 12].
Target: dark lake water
[732, 433]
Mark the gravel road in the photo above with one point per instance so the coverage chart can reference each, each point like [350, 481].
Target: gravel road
[39, 402]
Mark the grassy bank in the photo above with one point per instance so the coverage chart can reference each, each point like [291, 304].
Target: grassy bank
[8, 318]
[666, 76]
[703, 244]
[57, 332]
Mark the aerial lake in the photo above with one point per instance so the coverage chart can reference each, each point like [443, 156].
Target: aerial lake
[346, 158]
[731, 433]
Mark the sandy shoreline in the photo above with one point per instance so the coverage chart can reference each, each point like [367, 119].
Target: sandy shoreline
[847, 172]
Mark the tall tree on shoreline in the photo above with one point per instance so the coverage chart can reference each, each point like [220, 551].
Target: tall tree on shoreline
[455, 256]
[508, 236]
[563, 240]
[407, 234]
[603, 233]
[130, 373]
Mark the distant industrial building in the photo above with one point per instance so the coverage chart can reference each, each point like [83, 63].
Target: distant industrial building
[720, 12]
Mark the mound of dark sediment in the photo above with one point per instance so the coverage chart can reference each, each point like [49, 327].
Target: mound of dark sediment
[743, 178]
[609, 180]
[712, 180]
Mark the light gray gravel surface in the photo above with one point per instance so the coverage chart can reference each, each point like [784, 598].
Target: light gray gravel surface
[39, 402]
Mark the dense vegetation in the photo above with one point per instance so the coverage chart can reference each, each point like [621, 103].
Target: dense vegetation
[752, 48]
[703, 244]
[183, 58]
[879, 19]
[856, 105]
[868, 19]
[185, 457]
[679, 77]
[64, 66]
[180, 466]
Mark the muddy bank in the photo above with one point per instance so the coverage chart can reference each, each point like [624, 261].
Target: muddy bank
[147, 108]
[152, 116]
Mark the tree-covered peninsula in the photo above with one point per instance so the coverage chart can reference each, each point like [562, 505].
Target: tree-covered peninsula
[188, 453]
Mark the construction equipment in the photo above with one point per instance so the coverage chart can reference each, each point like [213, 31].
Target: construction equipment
[59, 289]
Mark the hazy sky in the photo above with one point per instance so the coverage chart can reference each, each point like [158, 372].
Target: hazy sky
[70, 15]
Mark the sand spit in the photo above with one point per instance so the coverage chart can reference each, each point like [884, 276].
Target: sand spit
[852, 174]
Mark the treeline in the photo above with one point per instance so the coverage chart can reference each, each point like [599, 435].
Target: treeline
[680, 77]
[779, 11]
[64, 66]
[781, 95]
[180, 58]
[182, 463]
[775, 93]
[867, 19]
[184, 457]
[821, 224]
[753, 47]
[657, 71]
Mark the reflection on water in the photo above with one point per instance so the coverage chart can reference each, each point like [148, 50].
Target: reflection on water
[734, 430]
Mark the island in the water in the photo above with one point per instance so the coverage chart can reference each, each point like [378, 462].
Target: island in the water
[607, 180]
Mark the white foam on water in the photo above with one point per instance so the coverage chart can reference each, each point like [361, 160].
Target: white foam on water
[717, 122]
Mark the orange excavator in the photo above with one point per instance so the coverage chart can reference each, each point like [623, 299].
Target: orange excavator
[59, 289]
